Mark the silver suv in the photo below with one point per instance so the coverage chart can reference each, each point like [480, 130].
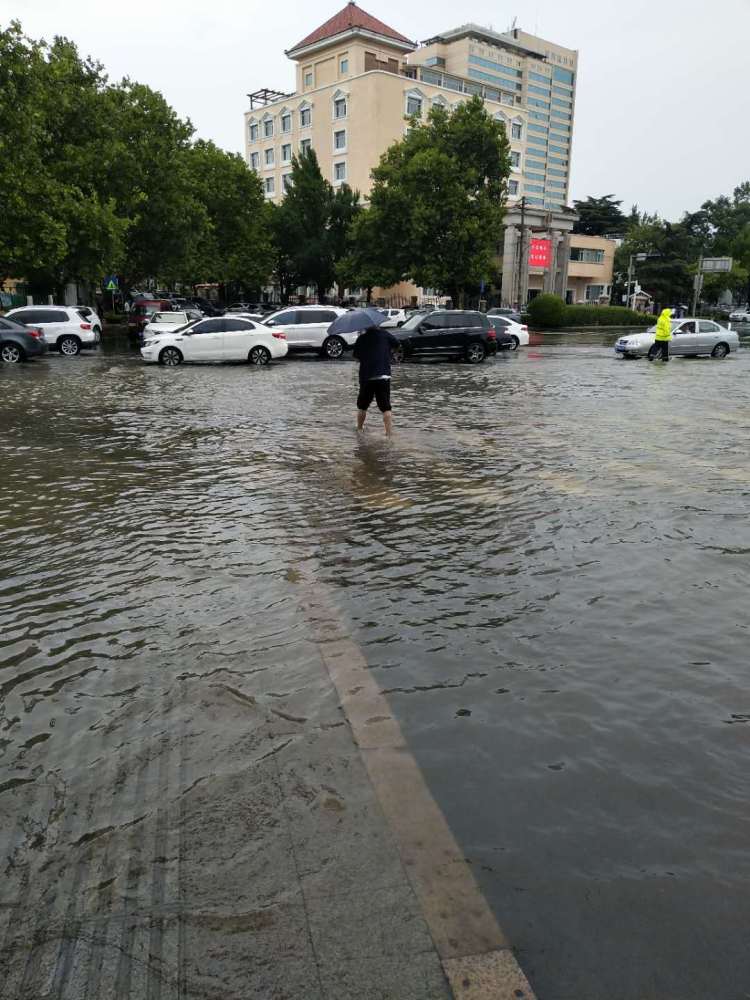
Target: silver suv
[306, 329]
[66, 329]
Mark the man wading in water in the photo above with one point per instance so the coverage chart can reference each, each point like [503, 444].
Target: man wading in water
[373, 350]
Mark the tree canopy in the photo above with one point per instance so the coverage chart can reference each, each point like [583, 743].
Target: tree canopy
[99, 176]
[600, 216]
[437, 204]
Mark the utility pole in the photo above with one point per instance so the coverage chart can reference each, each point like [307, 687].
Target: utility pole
[630, 278]
[519, 304]
[697, 285]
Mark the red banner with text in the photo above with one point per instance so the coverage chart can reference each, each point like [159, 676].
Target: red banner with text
[540, 253]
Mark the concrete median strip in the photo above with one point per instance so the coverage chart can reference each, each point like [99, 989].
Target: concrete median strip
[475, 954]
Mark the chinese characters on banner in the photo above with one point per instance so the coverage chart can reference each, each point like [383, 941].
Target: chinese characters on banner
[540, 253]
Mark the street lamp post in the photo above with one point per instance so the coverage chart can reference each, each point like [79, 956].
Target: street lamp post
[639, 258]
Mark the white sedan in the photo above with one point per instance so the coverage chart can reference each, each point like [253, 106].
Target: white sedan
[166, 322]
[225, 338]
[690, 337]
[395, 316]
[740, 316]
[519, 332]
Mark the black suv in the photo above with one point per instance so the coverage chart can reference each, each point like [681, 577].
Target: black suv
[446, 333]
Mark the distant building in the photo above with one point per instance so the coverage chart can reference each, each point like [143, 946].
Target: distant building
[356, 81]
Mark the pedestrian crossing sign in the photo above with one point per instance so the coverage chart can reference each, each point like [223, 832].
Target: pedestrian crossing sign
[111, 283]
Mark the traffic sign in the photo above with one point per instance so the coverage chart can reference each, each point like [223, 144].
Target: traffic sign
[717, 265]
[111, 283]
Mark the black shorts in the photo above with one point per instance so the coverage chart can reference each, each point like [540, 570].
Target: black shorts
[378, 389]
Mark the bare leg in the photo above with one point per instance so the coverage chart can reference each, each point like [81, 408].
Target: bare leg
[388, 423]
[361, 415]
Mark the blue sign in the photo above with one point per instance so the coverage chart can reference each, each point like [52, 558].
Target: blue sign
[111, 283]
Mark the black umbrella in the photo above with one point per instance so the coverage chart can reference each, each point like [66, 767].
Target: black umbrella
[356, 320]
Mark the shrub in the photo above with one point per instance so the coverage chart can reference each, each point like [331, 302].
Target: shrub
[604, 316]
[546, 311]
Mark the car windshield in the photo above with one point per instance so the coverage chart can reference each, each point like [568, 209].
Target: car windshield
[413, 323]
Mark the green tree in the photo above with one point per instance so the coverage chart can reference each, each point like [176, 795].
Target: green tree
[601, 216]
[235, 244]
[307, 215]
[437, 203]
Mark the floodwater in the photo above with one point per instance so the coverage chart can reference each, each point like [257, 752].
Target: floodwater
[547, 570]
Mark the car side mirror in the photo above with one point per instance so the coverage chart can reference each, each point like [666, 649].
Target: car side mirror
[270, 322]
[400, 323]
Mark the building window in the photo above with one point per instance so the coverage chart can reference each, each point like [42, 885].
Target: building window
[534, 164]
[344, 67]
[269, 158]
[339, 139]
[339, 171]
[286, 122]
[255, 161]
[587, 256]
[305, 117]
[339, 107]
[308, 78]
[286, 152]
[594, 292]
[414, 106]
[253, 132]
[286, 182]
[534, 177]
[516, 130]
[305, 146]
[512, 187]
[270, 185]
[268, 128]
[515, 159]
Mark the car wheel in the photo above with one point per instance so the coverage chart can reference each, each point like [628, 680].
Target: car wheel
[516, 343]
[69, 346]
[98, 331]
[11, 354]
[654, 352]
[397, 354]
[170, 357]
[333, 348]
[720, 351]
[475, 352]
[259, 356]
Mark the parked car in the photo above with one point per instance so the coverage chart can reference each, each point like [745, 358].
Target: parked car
[65, 328]
[242, 307]
[19, 342]
[740, 315]
[93, 317]
[507, 313]
[220, 338]
[161, 322]
[306, 329]
[518, 332]
[447, 333]
[395, 316]
[207, 307]
[690, 337]
[141, 312]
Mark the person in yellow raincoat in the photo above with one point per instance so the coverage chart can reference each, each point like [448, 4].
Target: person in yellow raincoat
[663, 336]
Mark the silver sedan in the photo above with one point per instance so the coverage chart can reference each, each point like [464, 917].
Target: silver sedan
[690, 337]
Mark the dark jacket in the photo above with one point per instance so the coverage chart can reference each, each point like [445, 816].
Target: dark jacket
[373, 350]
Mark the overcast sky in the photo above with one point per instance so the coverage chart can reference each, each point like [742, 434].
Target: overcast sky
[663, 85]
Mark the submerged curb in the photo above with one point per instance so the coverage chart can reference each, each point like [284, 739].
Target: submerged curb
[475, 954]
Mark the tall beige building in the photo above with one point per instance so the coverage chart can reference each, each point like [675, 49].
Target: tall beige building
[357, 79]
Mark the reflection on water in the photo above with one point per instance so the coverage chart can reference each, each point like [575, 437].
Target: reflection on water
[547, 569]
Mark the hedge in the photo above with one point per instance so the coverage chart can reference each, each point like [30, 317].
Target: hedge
[546, 310]
[605, 316]
[550, 312]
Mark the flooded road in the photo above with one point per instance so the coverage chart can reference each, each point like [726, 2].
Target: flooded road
[547, 571]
